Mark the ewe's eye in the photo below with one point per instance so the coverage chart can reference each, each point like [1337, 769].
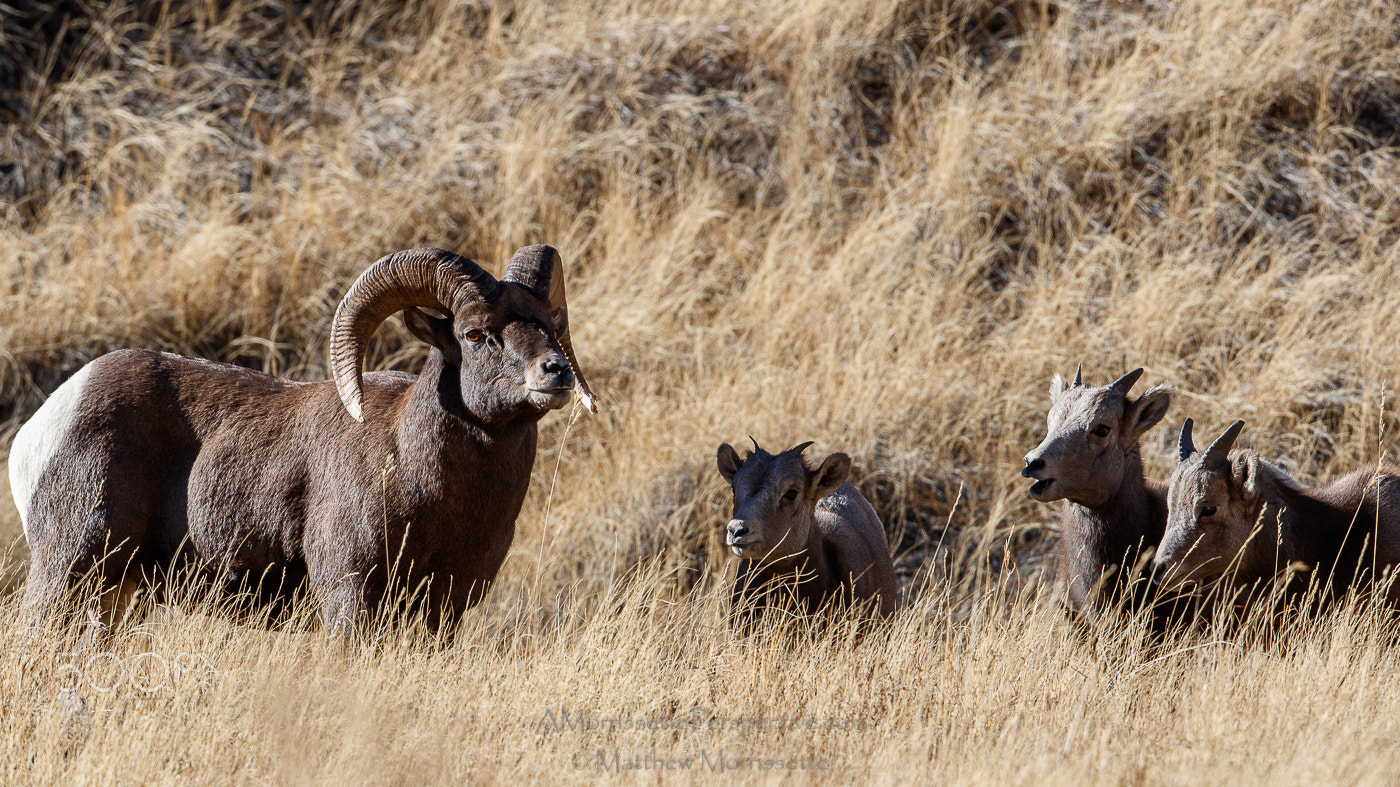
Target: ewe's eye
[474, 336]
[1208, 511]
[790, 495]
[1101, 430]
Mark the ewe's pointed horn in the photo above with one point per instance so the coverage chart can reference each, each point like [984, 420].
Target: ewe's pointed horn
[1218, 453]
[540, 270]
[798, 449]
[756, 449]
[431, 278]
[1078, 379]
[1125, 383]
[1184, 446]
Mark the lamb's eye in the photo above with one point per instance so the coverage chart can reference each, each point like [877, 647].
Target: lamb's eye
[474, 336]
[790, 495]
[1208, 511]
[1101, 430]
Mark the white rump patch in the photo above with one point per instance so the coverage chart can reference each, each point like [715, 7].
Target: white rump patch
[40, 438]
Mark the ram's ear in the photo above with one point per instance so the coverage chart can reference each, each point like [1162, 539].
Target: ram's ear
[1245, 475]
[436, 331]
[728, 461]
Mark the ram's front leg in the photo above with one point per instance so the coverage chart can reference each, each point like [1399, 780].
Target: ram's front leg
[344, 607]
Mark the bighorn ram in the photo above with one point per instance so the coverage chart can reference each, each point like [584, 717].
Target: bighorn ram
[154, 459]
[1091, 459]
[806, 532]
[1235, 514]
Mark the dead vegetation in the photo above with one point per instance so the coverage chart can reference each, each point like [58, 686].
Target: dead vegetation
[880, 225]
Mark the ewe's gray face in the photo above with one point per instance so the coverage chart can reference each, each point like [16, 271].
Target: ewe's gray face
[1211, 513]
[507, 357]
[775, 499]
[1091, 432]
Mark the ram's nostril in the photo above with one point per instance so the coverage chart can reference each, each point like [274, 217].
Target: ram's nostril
[1032, 465]
[555, 365]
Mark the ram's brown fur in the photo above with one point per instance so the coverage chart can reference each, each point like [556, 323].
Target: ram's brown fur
[155, 461]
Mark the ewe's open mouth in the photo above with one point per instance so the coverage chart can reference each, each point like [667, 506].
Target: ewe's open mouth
[1041, 487]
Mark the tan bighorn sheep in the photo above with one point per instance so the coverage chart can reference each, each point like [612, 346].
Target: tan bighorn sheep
[157, 460]
[1231, 513]
[804, 532]
[1091, 459]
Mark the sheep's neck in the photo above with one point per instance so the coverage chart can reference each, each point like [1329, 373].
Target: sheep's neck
[1113, 533]
[1314, 531]
[440, 436]
[812, 564]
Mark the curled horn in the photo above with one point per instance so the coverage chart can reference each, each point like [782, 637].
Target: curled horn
[1184, 446]
[539, 269]
[1218, 453]
[431, 278]
[798, 449]
[1125, 383]
[1078, 379]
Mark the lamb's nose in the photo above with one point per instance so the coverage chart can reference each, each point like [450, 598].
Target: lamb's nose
[1032, 466]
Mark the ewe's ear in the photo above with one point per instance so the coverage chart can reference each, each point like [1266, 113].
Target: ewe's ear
[831, 475]
[1057, 387]
[436, 331]
[727, 459]
[1245, 475]
[1149, 408]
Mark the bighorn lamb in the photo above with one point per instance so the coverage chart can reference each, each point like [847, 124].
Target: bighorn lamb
[1232, 513]
[1091, 459]
[804, 532]
[153, 459]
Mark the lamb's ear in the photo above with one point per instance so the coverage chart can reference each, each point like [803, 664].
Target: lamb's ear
[1057, 387]
[436, 331]
[1147, 410]
[728, 461]
[831, 475]
[1245, 475]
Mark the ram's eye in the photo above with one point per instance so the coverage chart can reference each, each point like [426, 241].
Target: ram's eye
[1208, 511]
[474, 336]
[790, 495]
[1101, 430]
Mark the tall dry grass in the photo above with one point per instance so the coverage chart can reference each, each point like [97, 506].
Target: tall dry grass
[879, 225]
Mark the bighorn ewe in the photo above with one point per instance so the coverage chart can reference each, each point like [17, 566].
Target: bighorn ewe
[156, 459]
[1233, 513]
[1091, 459]
[804, 531]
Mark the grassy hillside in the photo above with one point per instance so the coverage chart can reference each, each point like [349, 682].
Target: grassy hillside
[882, 226]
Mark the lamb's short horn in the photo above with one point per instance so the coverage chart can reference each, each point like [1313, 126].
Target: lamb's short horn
[1184, 446]
[540, 270]
[431, 278]
[798, 449]
[1219, 452]
[1125, 383]
[1078, 378]
[756, 449]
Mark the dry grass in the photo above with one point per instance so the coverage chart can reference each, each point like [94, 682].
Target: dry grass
[879, 225]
